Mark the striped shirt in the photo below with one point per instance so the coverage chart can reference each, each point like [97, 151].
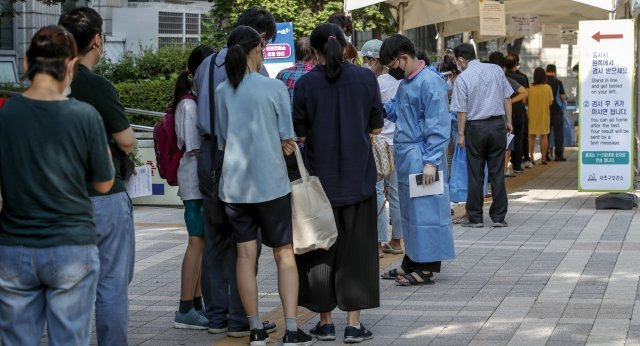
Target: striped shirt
[480, 91]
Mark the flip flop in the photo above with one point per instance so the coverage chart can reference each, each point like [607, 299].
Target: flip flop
[386, 248]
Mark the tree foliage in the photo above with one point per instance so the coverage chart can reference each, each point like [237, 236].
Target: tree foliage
[305, 15]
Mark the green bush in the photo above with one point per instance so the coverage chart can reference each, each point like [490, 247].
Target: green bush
[152, 95]
[163, 64]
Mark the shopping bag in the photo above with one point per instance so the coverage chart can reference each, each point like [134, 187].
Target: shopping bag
[314, 226]
[458, 180]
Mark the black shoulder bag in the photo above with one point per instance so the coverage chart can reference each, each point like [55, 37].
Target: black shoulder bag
[218, 215]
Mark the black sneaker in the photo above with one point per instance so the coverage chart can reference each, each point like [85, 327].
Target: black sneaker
[560, 159]
[258, 337]
[469, 224]
[353, 335]
[297, 338]
[324, 333]
[241, 332]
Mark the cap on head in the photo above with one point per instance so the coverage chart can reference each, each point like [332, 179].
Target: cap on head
[371, 49]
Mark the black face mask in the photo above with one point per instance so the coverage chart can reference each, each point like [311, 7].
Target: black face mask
[397, 72]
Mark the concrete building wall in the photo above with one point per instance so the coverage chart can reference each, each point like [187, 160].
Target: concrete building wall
[139, 27]
[31, 16]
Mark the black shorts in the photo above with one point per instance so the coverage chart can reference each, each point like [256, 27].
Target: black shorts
[271, 218]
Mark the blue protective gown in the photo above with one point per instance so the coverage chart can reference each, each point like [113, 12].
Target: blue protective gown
[423, 127]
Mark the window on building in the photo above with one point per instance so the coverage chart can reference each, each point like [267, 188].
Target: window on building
[164, 41]
[192, 24]
[6, 28]
[170, 23]
[8, 69]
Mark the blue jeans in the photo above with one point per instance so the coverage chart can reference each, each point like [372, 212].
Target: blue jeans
[53, 284]
[113, 215]
[394, 208]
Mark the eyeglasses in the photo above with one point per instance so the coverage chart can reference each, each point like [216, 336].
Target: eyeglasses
[392, 63]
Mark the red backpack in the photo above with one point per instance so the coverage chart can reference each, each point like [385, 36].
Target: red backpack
[165, 141]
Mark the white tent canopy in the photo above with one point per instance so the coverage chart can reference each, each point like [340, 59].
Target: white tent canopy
[463, 15]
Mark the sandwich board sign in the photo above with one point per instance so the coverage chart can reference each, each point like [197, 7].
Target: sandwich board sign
[606, 105]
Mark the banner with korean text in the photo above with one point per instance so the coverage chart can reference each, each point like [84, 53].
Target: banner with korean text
[606, 105]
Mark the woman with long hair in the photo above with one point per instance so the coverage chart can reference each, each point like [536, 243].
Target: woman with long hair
[254, 128]
[190, 314]
[540, 98]
[51, 148]
[337, 107]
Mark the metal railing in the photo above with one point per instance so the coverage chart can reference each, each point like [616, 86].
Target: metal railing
[126, 109]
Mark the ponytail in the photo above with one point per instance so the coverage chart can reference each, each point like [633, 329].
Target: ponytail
[235, 64]
[241, 41]
[330, 41]
[334, 57]
[183, 86]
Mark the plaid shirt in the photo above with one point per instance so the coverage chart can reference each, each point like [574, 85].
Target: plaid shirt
[291, 75]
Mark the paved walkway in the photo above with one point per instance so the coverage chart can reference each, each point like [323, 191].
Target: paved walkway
[562, 273]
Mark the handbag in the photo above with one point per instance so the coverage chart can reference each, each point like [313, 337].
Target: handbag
[314, 226]
[383, 156]
[459, 180]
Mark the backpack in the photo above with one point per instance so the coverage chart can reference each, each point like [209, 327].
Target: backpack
[165, 143]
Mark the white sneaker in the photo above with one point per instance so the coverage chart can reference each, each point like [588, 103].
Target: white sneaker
[528, 164]
[509, 172]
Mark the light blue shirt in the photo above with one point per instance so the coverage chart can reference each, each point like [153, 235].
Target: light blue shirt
[201, 79]
[251, 122]
[480, 91]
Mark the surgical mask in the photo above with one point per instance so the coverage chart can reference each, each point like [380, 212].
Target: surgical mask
[397, 73]
[369, 67]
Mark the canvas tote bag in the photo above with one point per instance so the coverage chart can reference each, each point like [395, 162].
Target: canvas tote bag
[314, 226]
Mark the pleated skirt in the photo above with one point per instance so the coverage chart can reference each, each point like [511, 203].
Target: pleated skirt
[346, 275]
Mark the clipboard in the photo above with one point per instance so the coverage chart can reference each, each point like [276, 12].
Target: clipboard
[415, 190]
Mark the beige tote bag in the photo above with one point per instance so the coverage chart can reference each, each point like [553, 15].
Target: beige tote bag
[314, 226]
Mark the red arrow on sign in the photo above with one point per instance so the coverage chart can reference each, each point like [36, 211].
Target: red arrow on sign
[599, 37]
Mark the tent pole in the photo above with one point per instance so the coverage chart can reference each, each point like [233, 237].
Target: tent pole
[401, 18]
[440, 30]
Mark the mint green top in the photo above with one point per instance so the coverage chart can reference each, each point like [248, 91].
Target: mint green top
[252, 121]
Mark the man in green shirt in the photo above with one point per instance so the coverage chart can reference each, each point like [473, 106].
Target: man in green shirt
[113, 211]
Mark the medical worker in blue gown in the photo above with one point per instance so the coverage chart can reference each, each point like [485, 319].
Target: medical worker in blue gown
[423, 125]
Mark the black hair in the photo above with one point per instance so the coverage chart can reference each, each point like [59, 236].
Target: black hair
[84, 24]
[551, 68]
[395, 45]
[422, 55]
[51, 48]
[511, 61]
[497, 58]
[329, 40]
[260, 20]
[303, 49]
[539, 76]
[183, 83]
[465, 51]
[449, 65]
[344, 22]
[241, 41]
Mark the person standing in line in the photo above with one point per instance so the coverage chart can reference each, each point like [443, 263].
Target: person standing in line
[51, 148]
[191, 311]
[540, 100]
[370, 54]
[523, 79]
[519, 95]
[482, 98]
[343, 21]
[423, 129]
[305, 62]
[336, 109]
[254, 128]
[519, 115]
[219, 285]
[557, 113]
[113, 211]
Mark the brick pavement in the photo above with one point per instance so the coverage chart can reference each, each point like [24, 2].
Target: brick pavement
[562, 273]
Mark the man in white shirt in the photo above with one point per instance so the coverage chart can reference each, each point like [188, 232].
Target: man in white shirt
[482, 98]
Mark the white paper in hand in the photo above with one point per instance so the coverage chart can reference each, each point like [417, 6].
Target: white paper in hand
[510, 138]
[436, 188]
[139, 184]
